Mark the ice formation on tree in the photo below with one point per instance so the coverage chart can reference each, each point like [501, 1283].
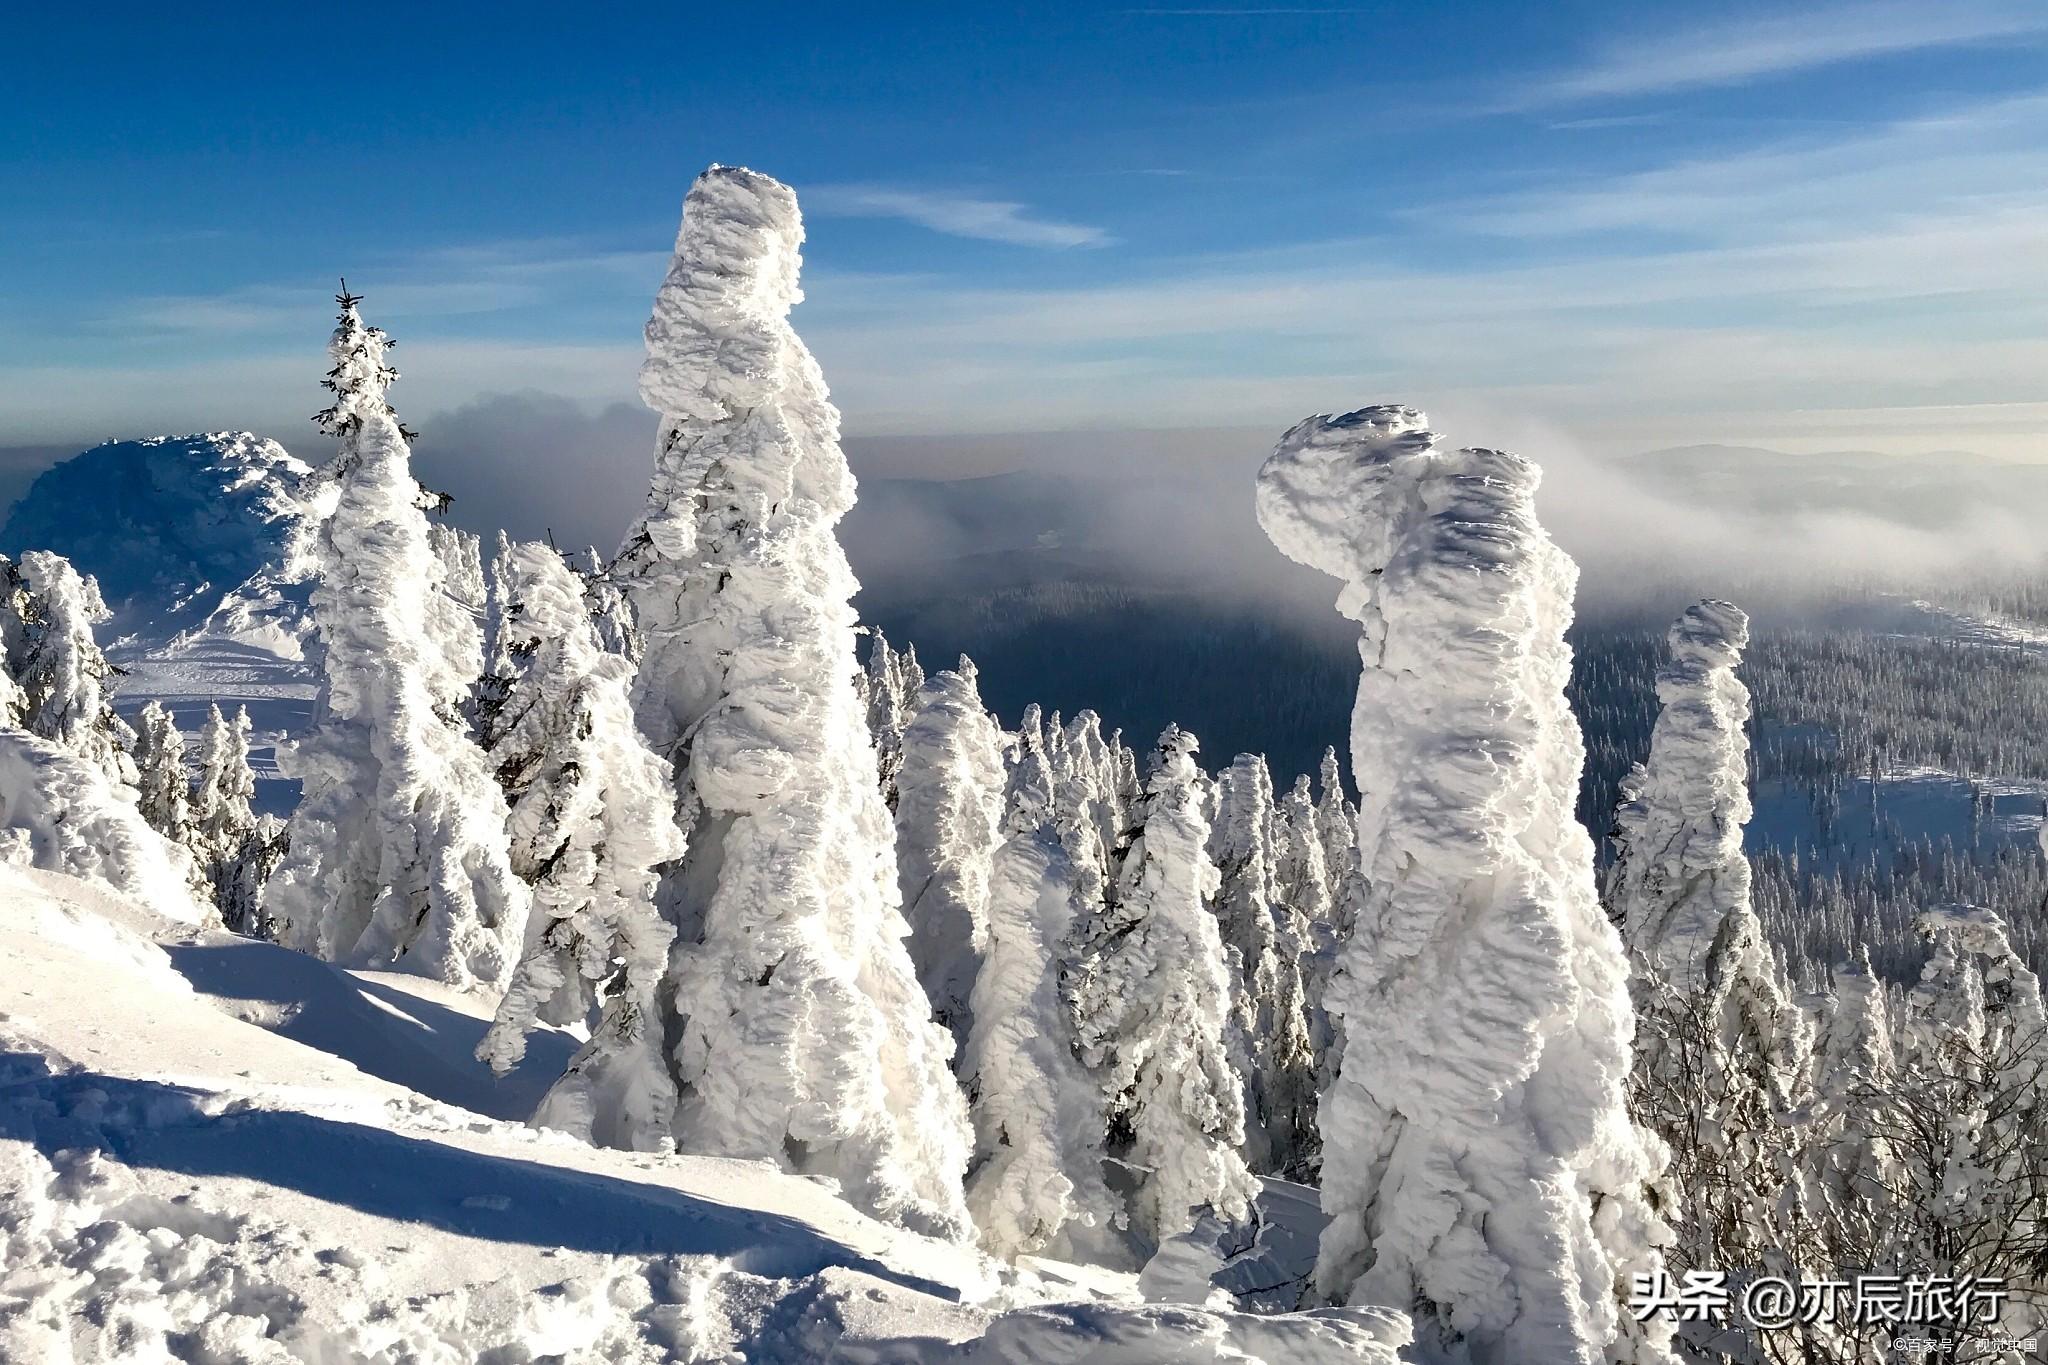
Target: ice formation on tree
[60, 669]
[1269, 1026]
[593, 819]
[1151, 1000]
[949, 804]
[1721, 1047]
[1336, 818]
[163, 787]
[1309, 900]
[398, 854]
[1036, 1180]
[1478, 1164]
[60, 812]
[805, 1038]
[888, 687]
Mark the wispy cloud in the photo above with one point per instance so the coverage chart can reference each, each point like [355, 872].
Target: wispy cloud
[1739, 52]
[957, 215]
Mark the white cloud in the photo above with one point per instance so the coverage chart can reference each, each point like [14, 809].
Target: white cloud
[957, 215]
[1742, 51]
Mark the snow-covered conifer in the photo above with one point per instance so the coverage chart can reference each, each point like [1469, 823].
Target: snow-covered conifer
[882, 690]
[1336, 818]
[398, 855]
[161, 780]
[593, 820]
[1722, 1050]
[805, 1037]
[14, 610]
[60, 812]
[1269, 1029]
[611, 612]
[948, 807]
[221, 809]
[1036, 1180]
[1152, 999]
[62, 671]
[1086, 808]
[1477, 1122]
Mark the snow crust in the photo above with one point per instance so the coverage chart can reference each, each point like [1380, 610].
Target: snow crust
[1477, 1118]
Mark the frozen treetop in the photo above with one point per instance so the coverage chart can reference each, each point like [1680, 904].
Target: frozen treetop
[715, 340]
[1337, 491]
[1709, 634]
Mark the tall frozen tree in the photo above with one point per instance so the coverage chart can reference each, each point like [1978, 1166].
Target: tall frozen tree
[398, 854]
[805, 1038]
[949, 804]
[592, 822]
[1479, 1165]
[62, 671]
[1269, 1027]
[1152, 1000]
[1036, 1182]
[1722, 1050]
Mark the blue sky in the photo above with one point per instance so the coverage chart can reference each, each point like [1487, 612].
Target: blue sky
[1617, 225]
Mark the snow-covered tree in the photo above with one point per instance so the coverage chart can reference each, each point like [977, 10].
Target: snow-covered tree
[59, 811]
[949, 804]
[1269, 1026]
[1087, 808]
[611, 612]
[1151, 996]
[593, 820]
[1721, 1049]
[1036, 1181]
[1336, 818]
[61, 669]
[805, 1038]
[398, 849]
[236, 848]
[161, 780]
[889, 688]
[1479, 1165]
[1309, 904]
[14, 610]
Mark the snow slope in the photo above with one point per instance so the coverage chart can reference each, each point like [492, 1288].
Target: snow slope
[217, 1150]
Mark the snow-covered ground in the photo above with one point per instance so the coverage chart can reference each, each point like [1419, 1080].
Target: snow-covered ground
[213, 1149]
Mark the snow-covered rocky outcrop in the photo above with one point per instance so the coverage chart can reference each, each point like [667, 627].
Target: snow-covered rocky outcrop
[805, 1038]
[170, 526]
[1477, 1120]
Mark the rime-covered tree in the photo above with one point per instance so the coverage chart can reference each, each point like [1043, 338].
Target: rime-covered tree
[14, 609]
[1151, 998]
[1479, 1165]
[61, 669]
[611, 613]
[1721, 1049]
[236, 848]
[804, 1036]
[398, 855]
[949, 804]
[161, 780]
[1269, 1027]
[1036, 1182]
[1336, 818]
[1303, 885]
[592, 822]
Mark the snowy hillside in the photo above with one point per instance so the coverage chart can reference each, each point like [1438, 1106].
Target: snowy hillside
[213, 1148]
